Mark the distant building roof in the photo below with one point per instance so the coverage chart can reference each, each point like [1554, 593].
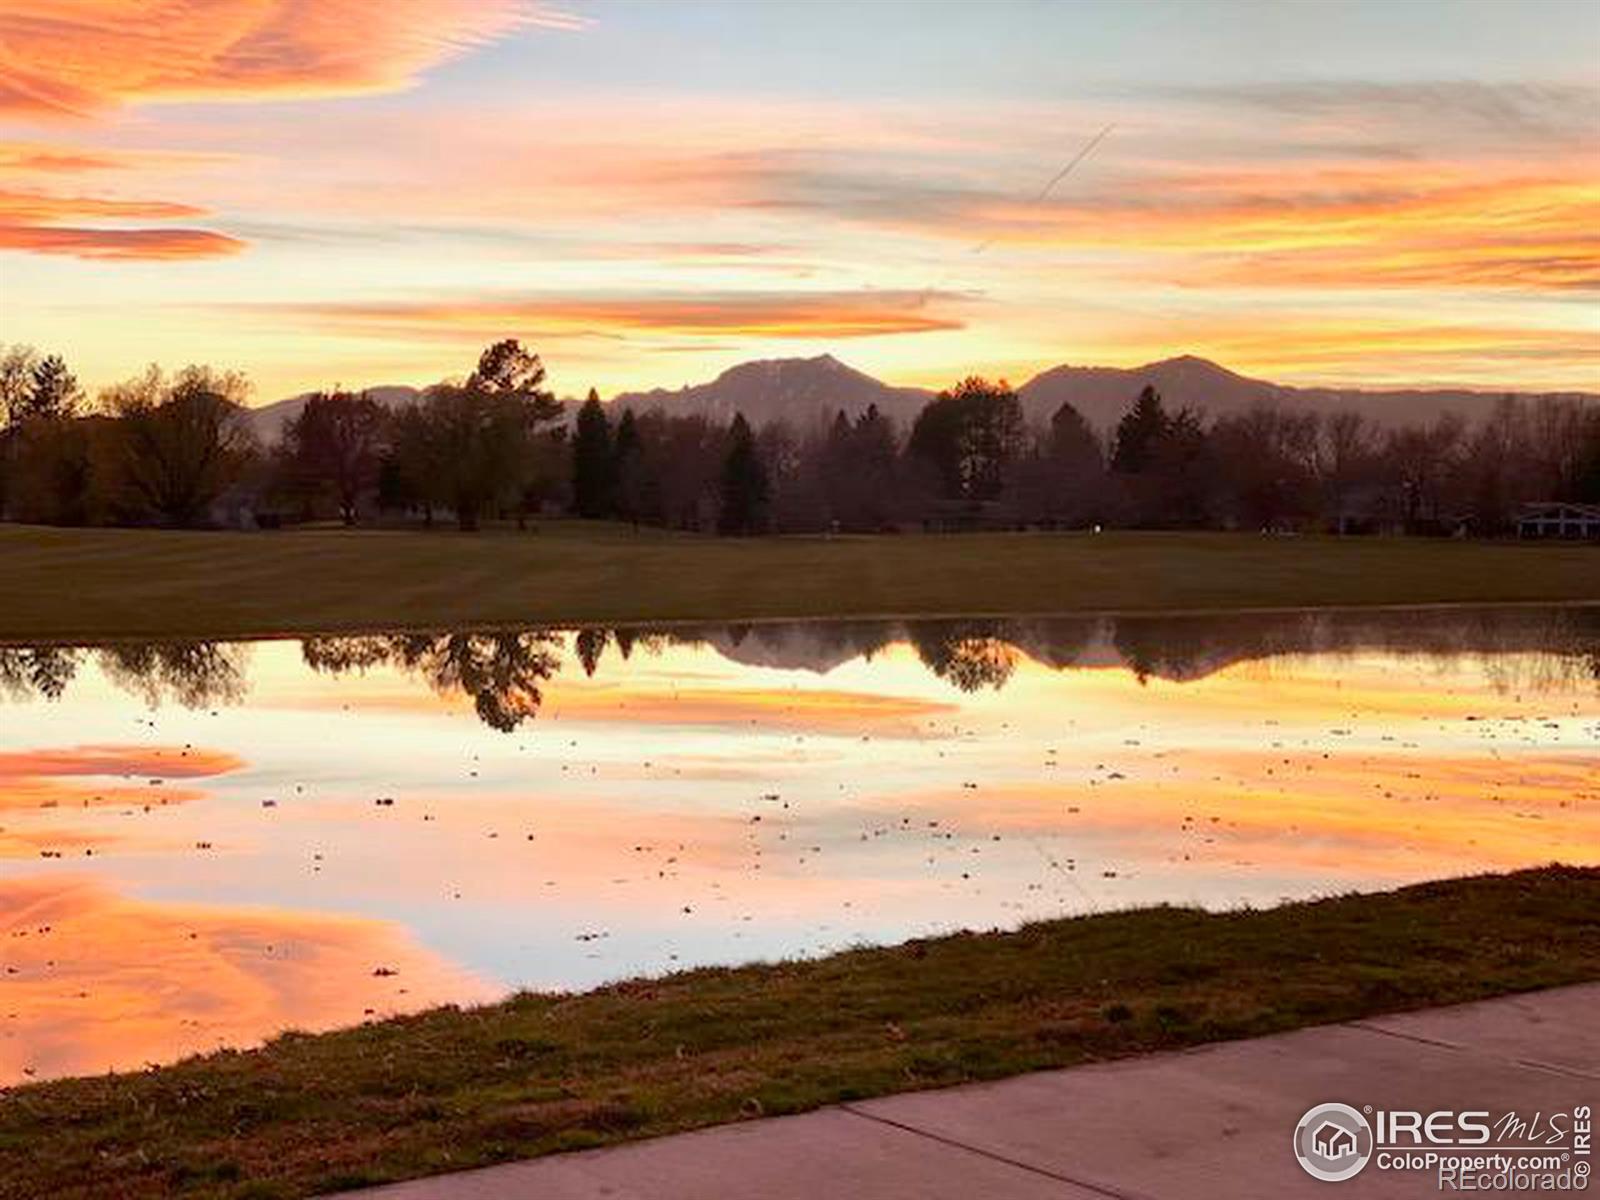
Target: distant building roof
[1560, 509]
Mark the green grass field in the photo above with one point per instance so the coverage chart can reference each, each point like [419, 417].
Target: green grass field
[454, 1088]
[62, 584]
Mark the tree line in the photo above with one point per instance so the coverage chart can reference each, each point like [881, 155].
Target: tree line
[177, 450]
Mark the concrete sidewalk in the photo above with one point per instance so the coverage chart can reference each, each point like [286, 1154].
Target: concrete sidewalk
[1214, 1121]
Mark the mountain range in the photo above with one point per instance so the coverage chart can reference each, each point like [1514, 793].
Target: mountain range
[804, 391]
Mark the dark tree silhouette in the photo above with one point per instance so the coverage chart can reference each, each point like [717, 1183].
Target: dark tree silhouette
[1422, 460]
[628, 473]
[336, 444]
[183, 443]
[593, 462]
[411, 475]
[858, 470]
[1267, 465]
[1072, 442]
[1139, 433]
[508, 369]
[481, 435]
[16, 383]
[53, 391]
[44, 450]
[746, 494]
[969, 437]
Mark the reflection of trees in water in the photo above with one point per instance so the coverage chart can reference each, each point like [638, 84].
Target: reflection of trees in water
[969, 654]
[1147, 647]
[43, 671]
[590, 645]
[193, 674]
[1533, 649]
[502, 672]
[1517, 649]
[341, 655]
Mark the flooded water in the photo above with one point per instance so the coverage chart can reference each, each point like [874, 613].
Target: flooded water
[202, 844]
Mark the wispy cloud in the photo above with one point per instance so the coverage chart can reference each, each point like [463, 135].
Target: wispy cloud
[40, 223]
[21, 159]
[1351, 227]
[832, 314]
[82, 57]
[1430, 111]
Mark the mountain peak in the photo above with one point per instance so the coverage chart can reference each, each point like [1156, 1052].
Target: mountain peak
[798, 390]
[1191, 360]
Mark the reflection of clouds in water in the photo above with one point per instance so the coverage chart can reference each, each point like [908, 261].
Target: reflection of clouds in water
[77, 778]
[711, 795]
[97, 981]
[147, 762]
[770, 709]
[1363, 816]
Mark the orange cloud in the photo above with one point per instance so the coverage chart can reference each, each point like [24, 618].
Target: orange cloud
[1392, 226]
[32, 221]
[96, 981]
[33, 156]
[78, 57]
[1365, 350]
[851, 314]
[25, 158]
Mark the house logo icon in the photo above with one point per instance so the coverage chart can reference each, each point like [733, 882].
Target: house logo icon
[1333, 1142]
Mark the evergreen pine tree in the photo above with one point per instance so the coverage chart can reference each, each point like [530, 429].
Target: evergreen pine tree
[53, 391]
[627, 470]
[593, 470]
[746, 491]
[1139, 433]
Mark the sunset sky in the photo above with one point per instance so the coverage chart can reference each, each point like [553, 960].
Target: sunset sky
[366, 191]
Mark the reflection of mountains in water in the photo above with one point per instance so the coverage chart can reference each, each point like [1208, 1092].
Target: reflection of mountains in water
[502, 672]
[1562, 641]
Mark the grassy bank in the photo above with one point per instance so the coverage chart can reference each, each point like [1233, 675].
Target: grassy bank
[128, 583]
[452, 1089]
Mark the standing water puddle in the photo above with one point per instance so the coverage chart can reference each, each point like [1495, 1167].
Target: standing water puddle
[203, 844]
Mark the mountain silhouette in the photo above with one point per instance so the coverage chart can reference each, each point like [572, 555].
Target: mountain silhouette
[268, 421]
[804, 391]
[799, 390]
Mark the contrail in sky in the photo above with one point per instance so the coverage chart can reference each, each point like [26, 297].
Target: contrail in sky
[1045, 191]
[1088, 149]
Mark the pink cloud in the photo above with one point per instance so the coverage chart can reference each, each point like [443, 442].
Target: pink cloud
[79, 57]
[32, 221]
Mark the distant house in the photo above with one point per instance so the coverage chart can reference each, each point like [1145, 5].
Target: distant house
[1559, 519]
